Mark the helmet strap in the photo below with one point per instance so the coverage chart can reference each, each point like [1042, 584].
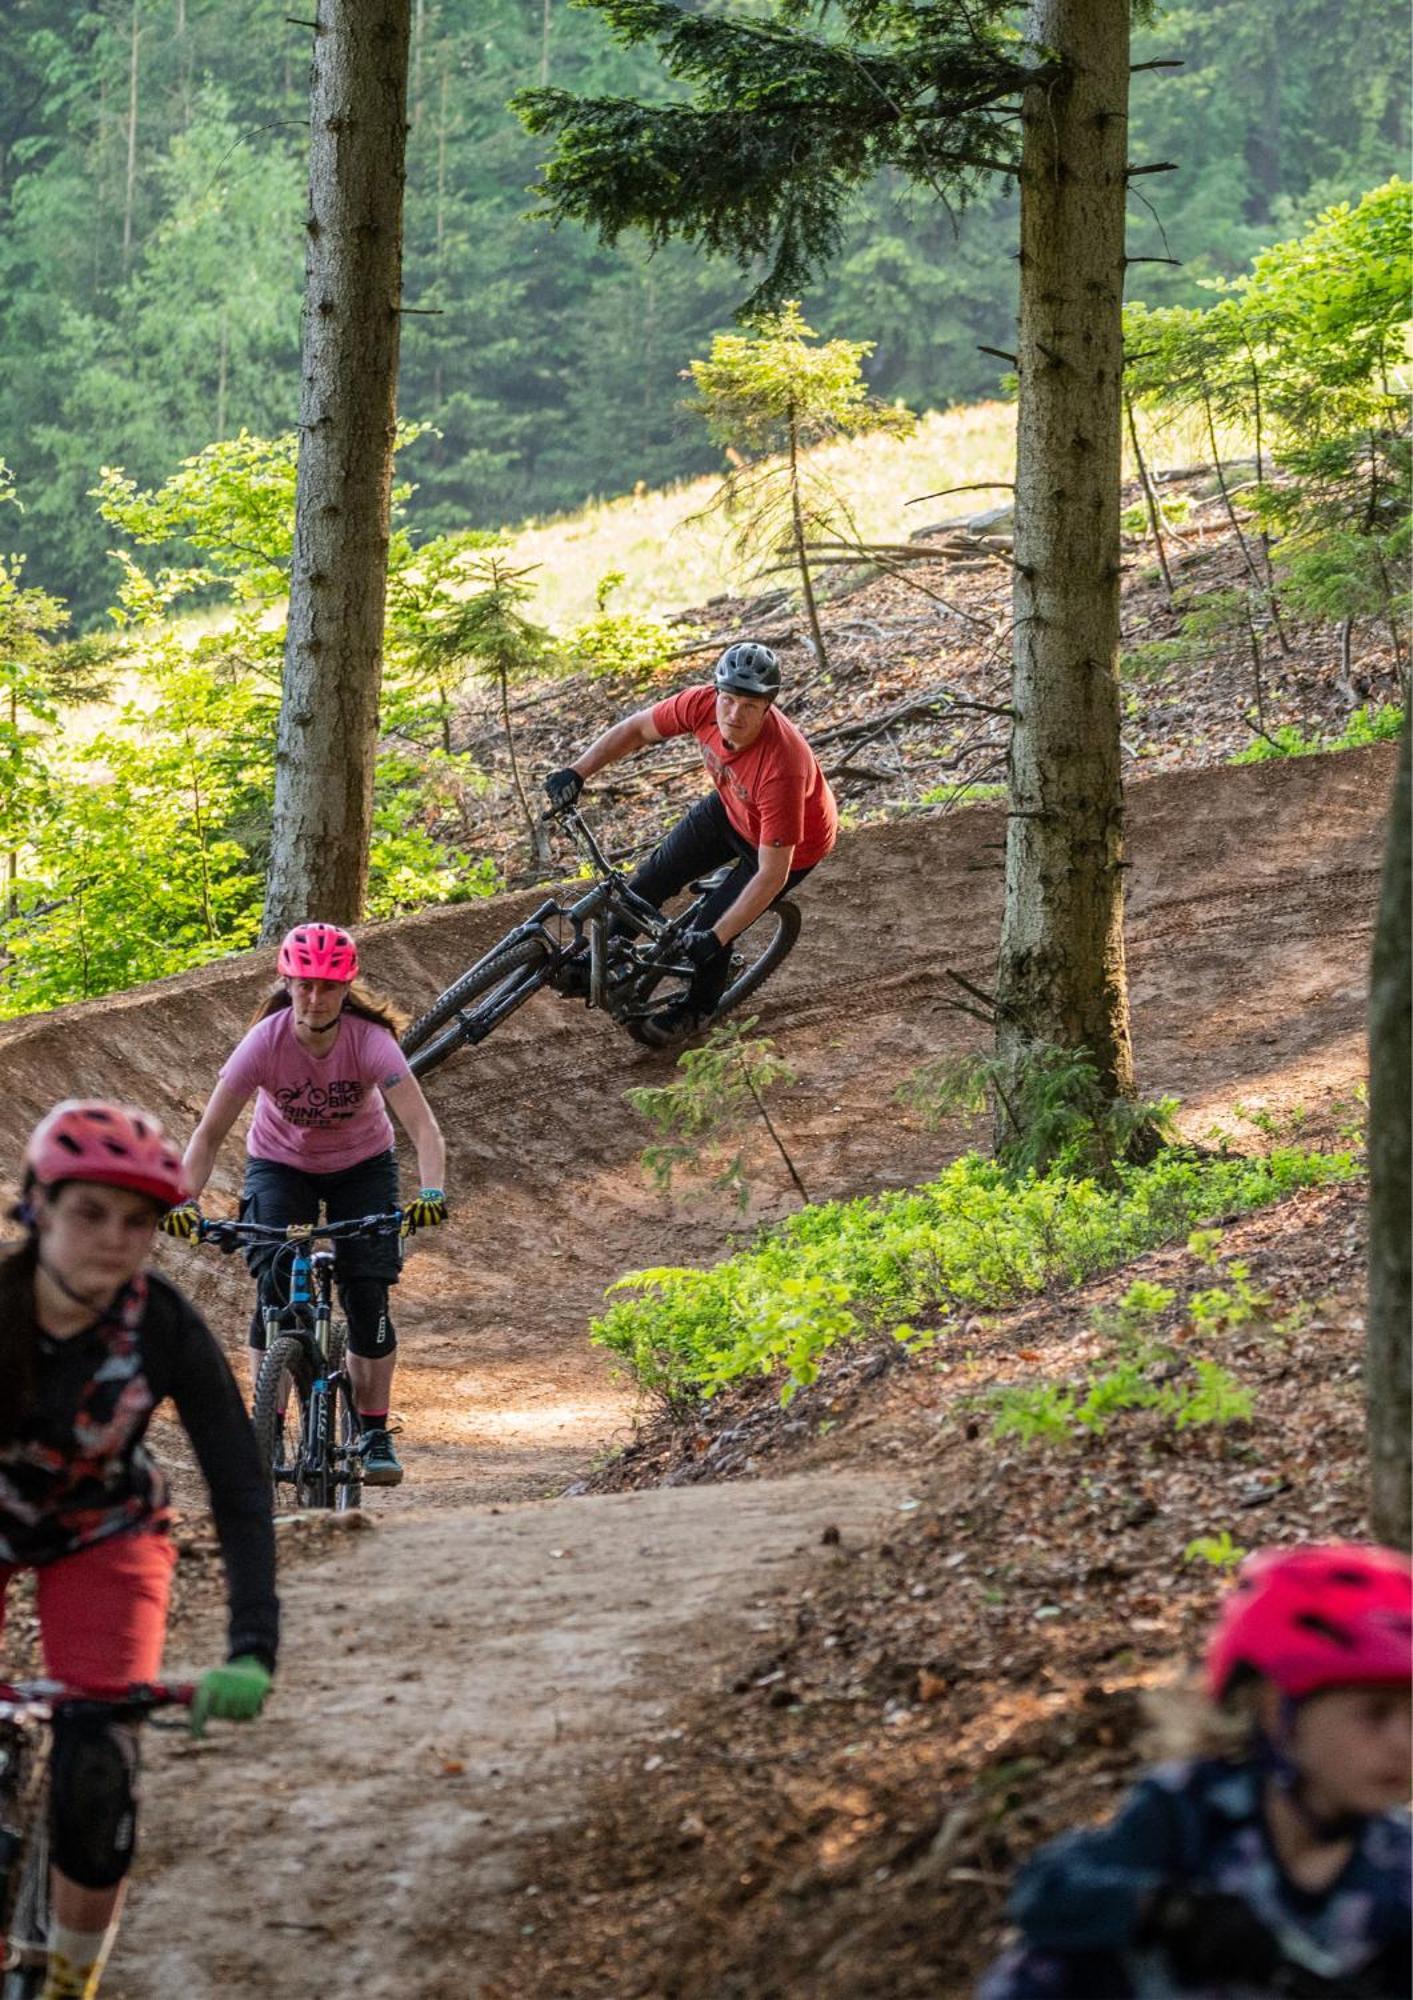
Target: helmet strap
[109, 1315]
[1274, 1756]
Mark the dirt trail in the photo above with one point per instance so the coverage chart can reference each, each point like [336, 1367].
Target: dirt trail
[450, 1684]
[1251, 899]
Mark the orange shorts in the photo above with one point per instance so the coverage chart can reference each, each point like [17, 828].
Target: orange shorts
[103, 1610]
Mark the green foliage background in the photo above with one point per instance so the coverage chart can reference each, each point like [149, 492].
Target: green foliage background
[140, 319]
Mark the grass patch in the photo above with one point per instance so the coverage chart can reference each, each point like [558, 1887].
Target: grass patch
[1365, 726]
[975, 1238]
[672, 553]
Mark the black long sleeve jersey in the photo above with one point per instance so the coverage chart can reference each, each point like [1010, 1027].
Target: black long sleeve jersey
[79, 1470]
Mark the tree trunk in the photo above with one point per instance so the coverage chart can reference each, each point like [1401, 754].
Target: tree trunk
[1061, 977]
[130, 181]
[539, 838]
[328, 728]
[802, 561]
[1387, 1364]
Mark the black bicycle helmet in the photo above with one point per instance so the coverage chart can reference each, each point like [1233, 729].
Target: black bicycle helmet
[749, 669]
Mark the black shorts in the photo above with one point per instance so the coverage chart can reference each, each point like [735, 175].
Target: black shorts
[275, 1193]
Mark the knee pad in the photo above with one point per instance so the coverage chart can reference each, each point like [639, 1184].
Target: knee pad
[371, 1334]
[93, 1799]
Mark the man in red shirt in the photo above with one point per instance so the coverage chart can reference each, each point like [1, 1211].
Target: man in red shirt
[772, 814]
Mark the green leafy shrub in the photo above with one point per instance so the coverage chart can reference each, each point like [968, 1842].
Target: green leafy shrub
[1142, 1374]
[1051, 1414]
[1366, 725]
[957, 792]
[1218, 1550]
[703, 1115]
[975, 1238]
[1055, 1115]
[632, 643]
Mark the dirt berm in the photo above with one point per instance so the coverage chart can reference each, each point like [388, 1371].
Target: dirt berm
[452, 1677]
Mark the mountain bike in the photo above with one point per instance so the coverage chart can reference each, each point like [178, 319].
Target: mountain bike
[609, 946]
[306, 1421]
[27, 1708]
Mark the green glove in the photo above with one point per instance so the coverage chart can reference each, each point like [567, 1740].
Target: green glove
[425, 1212]
[234, 1693]
[183, 1222]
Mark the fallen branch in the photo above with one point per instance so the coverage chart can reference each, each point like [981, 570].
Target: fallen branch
[977, 486]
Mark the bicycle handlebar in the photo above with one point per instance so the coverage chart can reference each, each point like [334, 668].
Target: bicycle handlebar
[585, 839]
[230, 1234]
[41, 1698]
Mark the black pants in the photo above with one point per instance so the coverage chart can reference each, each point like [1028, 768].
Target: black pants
[363, 1270]
[703, 841]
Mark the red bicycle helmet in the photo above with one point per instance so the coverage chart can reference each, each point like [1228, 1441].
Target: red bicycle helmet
[1313, 1618]
[87, 1139]
[318, 951]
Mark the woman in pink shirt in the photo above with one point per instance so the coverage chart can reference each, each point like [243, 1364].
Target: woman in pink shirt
[321, 1060]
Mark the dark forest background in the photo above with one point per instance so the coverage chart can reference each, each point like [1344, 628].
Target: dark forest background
[151, 251]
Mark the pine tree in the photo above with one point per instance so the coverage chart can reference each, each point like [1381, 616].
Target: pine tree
[328, 729]
[1388, 1375]
[788, 119]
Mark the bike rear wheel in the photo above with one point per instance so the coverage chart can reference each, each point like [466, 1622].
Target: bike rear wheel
[758, 952]
[490, 983]
[282, 1392]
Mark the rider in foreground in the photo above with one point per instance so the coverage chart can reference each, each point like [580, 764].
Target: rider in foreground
[1277, 1862]
[322, 1061]
[772, 814]
[90, 1344]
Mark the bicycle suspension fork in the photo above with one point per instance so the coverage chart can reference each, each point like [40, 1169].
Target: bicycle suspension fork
[320, 1395]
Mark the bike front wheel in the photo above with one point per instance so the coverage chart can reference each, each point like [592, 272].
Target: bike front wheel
[491, 984]
[282, 1392]
[758, 951]
[24, 1864]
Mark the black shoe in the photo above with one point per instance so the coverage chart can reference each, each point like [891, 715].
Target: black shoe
[381, 1466]
[670, 1027]
[572, 978]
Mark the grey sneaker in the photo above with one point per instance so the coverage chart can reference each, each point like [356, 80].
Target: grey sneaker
[381, 1466]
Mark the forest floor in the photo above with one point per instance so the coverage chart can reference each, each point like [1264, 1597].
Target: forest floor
[782, 1730]
[906, 644]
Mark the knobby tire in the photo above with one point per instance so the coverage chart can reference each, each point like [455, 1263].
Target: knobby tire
[24, 1894]
[481, 982]
[754, 975]
[285, 1357]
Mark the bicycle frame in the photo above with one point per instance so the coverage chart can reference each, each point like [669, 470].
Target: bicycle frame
[588, 918]
[311, 1292]
[308, 1317]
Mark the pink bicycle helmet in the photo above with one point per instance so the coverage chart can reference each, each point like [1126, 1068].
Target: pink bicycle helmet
[1314, 1618]
[318, 951]
[86, 1139]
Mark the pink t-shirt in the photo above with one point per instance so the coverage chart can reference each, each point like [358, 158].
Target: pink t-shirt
[319, 1113]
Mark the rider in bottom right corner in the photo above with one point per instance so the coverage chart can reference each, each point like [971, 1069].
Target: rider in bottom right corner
[1275, 1857]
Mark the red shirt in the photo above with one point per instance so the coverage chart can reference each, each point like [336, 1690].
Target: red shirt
[774, 793]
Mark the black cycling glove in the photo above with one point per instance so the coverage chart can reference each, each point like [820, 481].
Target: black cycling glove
[702, 948]
[563, 787]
